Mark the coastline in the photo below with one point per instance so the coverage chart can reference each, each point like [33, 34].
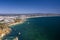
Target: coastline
[40, 16]
[8, 30]
[13, 24]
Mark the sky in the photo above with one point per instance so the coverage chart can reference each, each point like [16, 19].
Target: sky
[29, 6]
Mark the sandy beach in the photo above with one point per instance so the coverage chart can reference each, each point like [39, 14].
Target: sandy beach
[16, 23]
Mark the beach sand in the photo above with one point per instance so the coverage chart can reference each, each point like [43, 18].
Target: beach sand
[13, 24]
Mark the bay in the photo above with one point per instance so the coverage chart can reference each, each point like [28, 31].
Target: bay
[41, 28]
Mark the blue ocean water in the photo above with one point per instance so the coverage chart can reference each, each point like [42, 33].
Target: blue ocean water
[41, 28]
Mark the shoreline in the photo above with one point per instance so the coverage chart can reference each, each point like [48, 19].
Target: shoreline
[22, 21]
[40, 16]
[8, 30]
[13, 24]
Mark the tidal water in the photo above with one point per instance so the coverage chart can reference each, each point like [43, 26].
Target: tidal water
[41, 28]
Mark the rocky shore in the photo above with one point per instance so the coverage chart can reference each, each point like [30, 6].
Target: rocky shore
[5, 27]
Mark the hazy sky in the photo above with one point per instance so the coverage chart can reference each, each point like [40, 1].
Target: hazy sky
[29, 6]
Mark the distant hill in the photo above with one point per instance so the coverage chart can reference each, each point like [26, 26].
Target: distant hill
[31, 14]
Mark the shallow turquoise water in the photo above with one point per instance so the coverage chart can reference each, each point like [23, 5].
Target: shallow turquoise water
[41, 28]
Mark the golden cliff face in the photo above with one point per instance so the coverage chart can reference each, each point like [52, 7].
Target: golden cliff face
[4, 30]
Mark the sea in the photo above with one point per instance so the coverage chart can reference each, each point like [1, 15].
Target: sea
[39, 28]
